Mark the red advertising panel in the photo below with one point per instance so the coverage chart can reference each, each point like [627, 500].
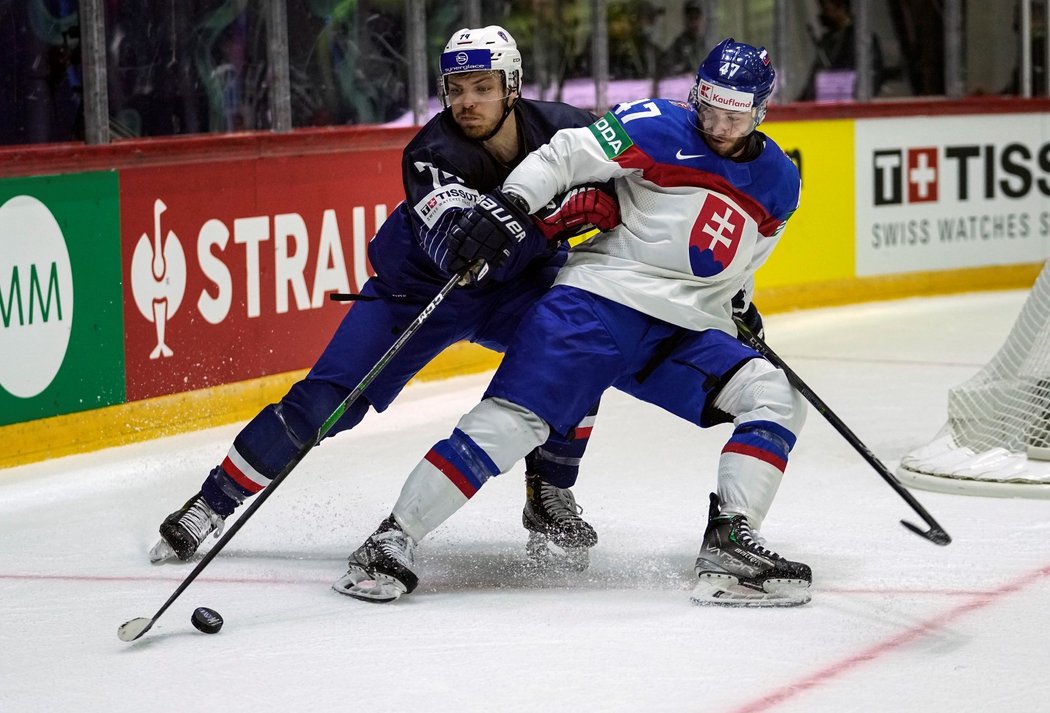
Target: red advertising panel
[228, 265]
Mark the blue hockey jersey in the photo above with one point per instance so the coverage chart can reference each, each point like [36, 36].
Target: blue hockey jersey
[444, 172]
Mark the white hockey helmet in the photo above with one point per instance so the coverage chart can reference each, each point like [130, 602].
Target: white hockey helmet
[485, 49]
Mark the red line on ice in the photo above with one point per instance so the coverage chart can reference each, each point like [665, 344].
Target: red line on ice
[848, 664]
[132, 578]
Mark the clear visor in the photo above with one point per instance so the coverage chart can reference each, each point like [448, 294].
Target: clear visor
[474, 88]
[727, 124]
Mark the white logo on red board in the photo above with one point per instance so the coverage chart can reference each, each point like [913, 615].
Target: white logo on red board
[158, 278]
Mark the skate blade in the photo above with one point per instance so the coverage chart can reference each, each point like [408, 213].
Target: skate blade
[361, 585]
[544, 554]
[725, 590]
[161, 552]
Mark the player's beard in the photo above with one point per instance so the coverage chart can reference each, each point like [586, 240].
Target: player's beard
[478, 125]
[726, 147]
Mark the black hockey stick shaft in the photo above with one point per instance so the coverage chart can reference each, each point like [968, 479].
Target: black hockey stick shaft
[936, 534]
[135, 628]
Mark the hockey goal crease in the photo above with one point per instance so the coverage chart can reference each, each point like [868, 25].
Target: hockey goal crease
[997, 438]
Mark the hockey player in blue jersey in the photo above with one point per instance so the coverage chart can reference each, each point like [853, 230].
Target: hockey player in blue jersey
[467, 150]
[646, 307]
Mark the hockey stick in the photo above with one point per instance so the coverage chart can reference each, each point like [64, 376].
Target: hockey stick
[131, 630]
[936, 533]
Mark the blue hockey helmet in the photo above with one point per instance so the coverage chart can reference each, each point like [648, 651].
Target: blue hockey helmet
[735, 77]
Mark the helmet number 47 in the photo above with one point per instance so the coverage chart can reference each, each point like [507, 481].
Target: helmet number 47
[728, 69]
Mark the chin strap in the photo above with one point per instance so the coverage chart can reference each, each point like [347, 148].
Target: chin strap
[508, 107]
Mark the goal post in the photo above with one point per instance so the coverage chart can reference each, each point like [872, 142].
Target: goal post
[997, 438]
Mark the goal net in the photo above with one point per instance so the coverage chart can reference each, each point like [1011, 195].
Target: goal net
[997, 439]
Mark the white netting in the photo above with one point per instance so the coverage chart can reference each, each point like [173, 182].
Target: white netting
[998, 430]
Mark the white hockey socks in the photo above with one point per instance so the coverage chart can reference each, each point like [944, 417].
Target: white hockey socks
[768, 415]
[487, 441]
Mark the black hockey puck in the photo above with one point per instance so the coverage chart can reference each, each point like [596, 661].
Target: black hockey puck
[206, 620]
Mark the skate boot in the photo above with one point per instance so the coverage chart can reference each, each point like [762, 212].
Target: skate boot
[380, 570]
[736, 569]
[183, 531]
[552, 517]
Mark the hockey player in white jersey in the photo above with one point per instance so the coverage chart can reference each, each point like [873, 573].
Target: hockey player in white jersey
[645, 307]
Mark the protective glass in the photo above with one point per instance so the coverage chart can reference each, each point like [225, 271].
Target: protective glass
[475, 88]
[727, 124]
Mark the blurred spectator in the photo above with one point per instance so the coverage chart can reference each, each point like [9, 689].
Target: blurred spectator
[1038, 50]
[40, 72]
[633, 51]
[920, 28]
[833, 75]
[689, 48]
[149, 92]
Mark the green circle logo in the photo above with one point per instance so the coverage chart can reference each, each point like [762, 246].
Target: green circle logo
[36, 296]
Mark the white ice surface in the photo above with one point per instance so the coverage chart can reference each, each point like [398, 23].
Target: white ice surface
[896, 623]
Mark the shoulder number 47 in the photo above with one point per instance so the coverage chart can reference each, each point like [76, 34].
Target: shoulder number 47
[626, 111]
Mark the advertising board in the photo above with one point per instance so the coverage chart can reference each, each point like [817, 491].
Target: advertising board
[61, 325]
[228, 266]
[949, 192]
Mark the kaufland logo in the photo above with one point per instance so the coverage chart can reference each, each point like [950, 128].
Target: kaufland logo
[965, 172]
[725, 98]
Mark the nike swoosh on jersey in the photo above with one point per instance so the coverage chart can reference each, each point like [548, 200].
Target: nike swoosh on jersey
[683, 156]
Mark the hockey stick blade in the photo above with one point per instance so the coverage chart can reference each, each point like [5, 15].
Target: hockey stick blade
[936, 534]
[132, 630]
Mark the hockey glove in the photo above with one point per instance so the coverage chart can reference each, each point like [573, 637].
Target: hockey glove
[579, 211]
[487, 233]
[749, 315]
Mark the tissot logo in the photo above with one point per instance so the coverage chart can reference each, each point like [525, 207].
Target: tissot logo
[913, 172]
[930, 174]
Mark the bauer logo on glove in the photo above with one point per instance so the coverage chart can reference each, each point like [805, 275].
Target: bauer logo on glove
[513, 227]
[489, 232]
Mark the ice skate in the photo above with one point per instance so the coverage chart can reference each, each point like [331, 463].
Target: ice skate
[558, 536]
[380, 570]
[735, 569]
[183, 531]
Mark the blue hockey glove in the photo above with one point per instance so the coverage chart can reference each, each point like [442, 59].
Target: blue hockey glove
[488, 233]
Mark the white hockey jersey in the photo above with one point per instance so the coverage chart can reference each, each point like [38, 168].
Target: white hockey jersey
[695, 226]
